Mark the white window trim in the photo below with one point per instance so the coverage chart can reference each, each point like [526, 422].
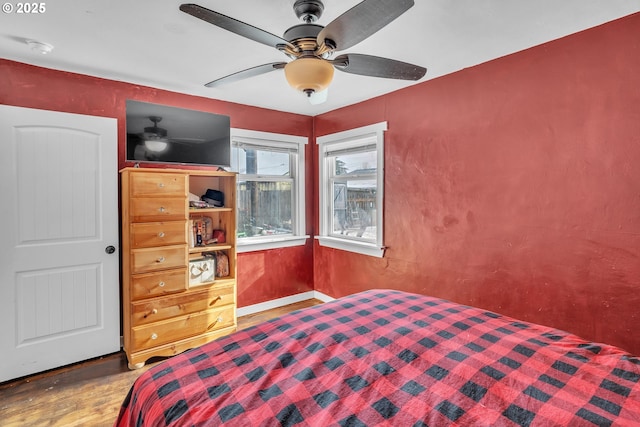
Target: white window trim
[275, 140]
[345, 139]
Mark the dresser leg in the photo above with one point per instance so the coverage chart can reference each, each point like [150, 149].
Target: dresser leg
[134, 366]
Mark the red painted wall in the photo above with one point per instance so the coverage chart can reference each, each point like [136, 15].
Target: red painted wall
[514, 186]
[33, 87]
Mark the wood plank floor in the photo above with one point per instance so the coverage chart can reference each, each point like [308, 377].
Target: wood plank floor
[88, 393]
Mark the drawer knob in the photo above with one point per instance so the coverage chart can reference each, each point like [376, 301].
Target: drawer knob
[154, 311]
[161, 259]
[218, 320]
[161, 234]
[161, 209]
[215, 300]
[161, 284]
[161, 184]
[154, 336]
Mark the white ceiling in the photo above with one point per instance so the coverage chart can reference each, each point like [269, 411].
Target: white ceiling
[153, 43]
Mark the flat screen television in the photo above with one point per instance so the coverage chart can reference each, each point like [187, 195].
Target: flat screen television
[164, 134]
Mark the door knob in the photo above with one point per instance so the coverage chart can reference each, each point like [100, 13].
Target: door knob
[110, 249]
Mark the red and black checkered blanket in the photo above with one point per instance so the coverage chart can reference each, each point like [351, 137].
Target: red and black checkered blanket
[381, 358]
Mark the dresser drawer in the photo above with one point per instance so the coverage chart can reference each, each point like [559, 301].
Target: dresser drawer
[167, 307]
[155, 259]
[148, 285]
[167, 331]
[153, 184]
[146, 209]
[151, 234]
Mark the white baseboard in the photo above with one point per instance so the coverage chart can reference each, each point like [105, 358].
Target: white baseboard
[280, 302]
[322, 297]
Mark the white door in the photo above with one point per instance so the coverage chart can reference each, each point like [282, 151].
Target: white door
[59, 257]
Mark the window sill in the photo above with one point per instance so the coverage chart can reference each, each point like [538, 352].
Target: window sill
[352, 246]
[265, 243]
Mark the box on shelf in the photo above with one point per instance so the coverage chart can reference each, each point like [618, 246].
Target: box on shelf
[202, 270]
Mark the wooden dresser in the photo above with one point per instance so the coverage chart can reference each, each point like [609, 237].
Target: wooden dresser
[163, 314]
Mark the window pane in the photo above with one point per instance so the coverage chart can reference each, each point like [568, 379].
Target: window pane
[264, 208]
[357, 163]
[260, 162]
[354, 209]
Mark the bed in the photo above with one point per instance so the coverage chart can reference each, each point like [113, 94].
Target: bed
[383, 358]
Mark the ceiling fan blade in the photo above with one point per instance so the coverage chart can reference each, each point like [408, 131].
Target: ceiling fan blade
[249, 72]
[374, 66]
[233, 25]
[361, 21]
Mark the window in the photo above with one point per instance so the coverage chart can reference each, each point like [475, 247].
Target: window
[351, 190]
[270, 193]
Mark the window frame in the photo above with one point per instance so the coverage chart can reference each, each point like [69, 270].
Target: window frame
[297, 175]
[350, 139]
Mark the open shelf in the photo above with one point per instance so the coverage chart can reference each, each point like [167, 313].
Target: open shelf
[209, 248]
[220, 281]
[194, 211]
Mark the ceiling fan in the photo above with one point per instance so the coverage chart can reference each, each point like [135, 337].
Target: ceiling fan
[311, 46]
[157, 139]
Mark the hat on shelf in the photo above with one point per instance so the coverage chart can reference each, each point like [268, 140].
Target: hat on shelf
[214, 198]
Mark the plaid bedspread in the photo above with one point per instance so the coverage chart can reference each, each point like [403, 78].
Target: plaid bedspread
[385, 357]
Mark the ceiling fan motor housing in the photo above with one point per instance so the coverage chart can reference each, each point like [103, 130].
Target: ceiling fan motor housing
[302, 31]
[155, 131]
